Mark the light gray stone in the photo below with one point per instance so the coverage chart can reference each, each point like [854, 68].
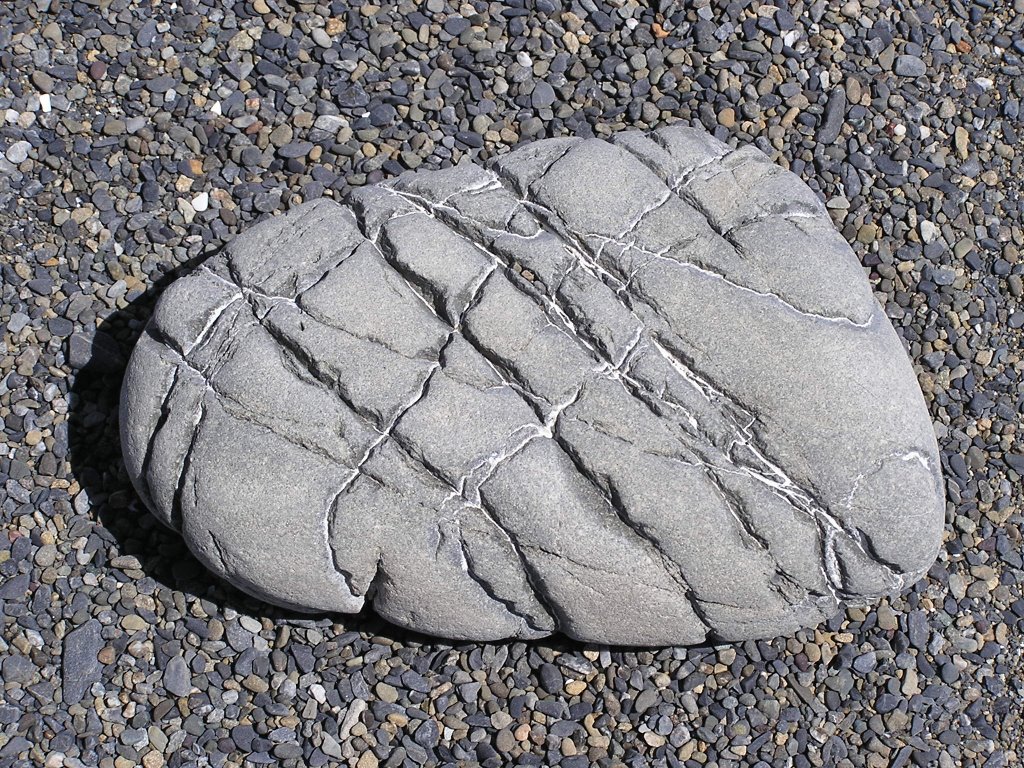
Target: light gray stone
[638, 392]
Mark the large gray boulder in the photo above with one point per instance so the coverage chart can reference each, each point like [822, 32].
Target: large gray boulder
[636, 391]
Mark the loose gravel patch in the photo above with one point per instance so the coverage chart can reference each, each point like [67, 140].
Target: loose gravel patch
[136, 139]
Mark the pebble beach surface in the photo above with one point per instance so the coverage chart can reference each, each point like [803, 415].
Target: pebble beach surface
[137, 138]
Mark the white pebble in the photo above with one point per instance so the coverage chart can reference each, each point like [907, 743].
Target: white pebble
[18, 152]
[201, 202]
[250, 624]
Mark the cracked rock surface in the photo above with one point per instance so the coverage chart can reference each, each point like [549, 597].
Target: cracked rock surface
[638, 392]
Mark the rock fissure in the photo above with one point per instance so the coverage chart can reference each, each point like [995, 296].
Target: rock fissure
[489, 589]
[165, 414]
[530, 571]
[607, 494]
[249, 413]
[186, 465]
[678, 188]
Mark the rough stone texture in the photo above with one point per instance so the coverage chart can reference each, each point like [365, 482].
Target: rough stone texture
[638, 392]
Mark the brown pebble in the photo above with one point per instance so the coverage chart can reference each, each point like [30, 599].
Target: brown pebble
[575, 687]
[504, 741]
[256, 684]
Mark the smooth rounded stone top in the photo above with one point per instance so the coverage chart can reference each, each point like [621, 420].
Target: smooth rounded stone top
[636, 391]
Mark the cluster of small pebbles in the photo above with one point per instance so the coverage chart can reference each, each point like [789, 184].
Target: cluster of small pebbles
[137, 138]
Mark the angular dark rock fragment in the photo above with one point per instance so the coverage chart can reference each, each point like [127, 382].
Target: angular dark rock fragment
[80, 665]
[637, 391]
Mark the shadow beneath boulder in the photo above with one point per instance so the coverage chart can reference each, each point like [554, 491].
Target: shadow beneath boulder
[94, 446]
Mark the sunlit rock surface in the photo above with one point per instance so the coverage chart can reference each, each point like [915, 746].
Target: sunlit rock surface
[638, 392]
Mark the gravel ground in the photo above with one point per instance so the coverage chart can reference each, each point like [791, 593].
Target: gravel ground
[138, 137]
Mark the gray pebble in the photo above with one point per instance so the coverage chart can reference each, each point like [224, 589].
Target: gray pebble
[18, 669]
[80, 665]
[835, 112]
[177, 678]
[18, 152]
[910, 66]
[543, 95]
